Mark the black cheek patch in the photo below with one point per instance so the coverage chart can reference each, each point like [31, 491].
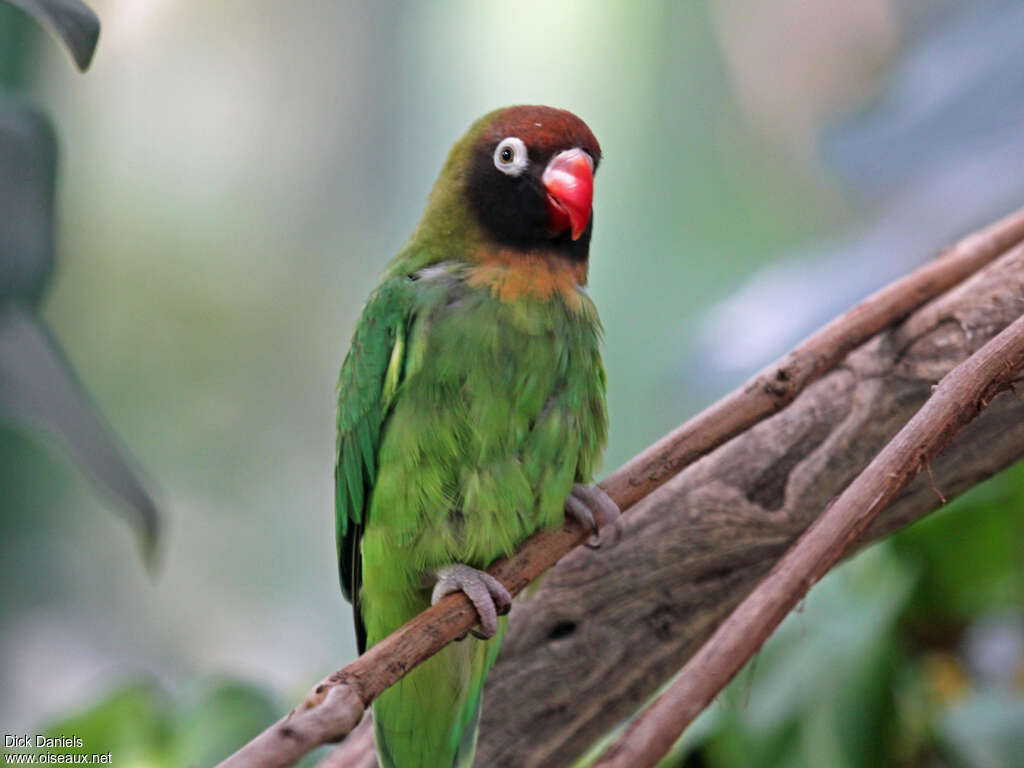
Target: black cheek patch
[512, 209]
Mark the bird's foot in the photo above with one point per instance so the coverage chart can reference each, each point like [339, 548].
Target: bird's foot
[594, 509]
[486, 593]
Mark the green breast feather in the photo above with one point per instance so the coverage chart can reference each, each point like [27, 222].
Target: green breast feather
[463, 423]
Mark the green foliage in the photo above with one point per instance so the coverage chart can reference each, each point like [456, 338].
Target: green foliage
[971, 554]
[133, 722]
[141, 725]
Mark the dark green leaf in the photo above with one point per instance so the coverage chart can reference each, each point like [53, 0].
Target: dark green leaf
[28, 156]
[985, 528]
[73, 22]
[39, 390]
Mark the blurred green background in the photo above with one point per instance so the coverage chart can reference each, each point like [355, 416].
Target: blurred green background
[233, 176]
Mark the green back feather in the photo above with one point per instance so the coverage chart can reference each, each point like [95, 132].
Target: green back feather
[366, 388]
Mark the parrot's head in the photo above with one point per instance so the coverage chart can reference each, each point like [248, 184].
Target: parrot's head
[530, 178]
[521, 181]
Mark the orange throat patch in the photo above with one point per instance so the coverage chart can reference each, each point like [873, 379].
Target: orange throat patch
[513, 275]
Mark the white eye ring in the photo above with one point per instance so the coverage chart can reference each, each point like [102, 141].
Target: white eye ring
[510, 156]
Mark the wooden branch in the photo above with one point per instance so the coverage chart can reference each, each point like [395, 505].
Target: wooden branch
[357, 751]
[961, 395]
[338, 702]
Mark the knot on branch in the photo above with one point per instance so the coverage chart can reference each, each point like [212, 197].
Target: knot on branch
[781, 384]
[316, 696]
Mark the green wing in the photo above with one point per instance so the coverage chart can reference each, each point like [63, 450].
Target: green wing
[369, 379]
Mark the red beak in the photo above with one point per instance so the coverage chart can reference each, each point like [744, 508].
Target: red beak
[569, 180]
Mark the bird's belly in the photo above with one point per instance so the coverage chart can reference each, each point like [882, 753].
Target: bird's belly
[502, 414]
[494, 471]
[469, 469]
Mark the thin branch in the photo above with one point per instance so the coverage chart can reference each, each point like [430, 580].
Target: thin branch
[336, 705]
[357, 751]
[777, 386]
[961, 395]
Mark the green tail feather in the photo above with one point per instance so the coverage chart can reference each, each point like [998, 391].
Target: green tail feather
[429, 718]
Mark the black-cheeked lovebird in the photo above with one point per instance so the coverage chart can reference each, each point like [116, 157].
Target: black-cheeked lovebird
[471, 410]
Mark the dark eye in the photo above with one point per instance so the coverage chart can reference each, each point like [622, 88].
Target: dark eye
[510, 156]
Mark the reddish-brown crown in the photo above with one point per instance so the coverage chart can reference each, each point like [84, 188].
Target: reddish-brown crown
[545, 130]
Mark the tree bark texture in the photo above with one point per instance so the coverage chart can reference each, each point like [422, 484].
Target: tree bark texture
[959, 398]
[605, 629]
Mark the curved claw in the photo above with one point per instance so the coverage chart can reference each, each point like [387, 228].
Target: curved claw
[594, 509]
[579, 511]
[488, 595]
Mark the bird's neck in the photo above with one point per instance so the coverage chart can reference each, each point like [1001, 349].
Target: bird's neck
[512, 274]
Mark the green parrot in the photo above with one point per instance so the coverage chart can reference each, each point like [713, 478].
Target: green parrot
[471, 411]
